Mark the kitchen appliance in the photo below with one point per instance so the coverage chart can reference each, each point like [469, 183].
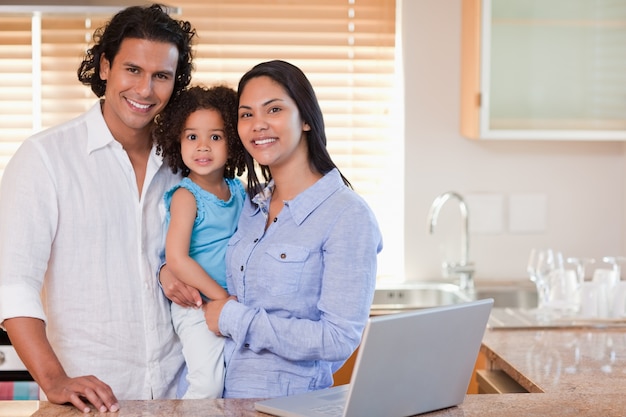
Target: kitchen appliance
[15, 381]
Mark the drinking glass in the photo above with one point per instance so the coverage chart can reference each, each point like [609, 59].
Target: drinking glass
[540, 265]
[557, 282]
[601, 291]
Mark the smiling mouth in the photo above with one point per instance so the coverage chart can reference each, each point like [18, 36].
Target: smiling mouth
[264, 141]
[138, 106]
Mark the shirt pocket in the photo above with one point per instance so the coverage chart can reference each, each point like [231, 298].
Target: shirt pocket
[285, 263]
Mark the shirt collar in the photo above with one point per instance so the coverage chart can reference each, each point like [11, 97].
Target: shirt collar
[262, 199]
[99, 136]
[305, 202]
[98, 133]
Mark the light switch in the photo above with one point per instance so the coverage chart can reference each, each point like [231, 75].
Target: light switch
[485, 213]
[528, 213]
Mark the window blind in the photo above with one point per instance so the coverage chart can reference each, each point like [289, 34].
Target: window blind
[346, 48]
[15, 84]
[63, 44]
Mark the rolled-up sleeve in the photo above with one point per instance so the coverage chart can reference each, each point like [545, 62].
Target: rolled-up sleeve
[28, 213]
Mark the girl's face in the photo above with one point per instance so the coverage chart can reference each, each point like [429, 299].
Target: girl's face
[270, 125]
[203, 145]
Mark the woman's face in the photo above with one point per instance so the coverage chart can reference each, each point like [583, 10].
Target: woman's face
[270, 125]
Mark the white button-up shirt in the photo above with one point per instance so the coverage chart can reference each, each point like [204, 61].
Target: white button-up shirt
[80, 249]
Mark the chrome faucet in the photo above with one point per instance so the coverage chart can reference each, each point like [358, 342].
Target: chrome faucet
[464, 269]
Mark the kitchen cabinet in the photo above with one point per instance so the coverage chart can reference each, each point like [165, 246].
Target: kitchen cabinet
[496, 382]
[342, 375]
[489, 379]
[15, 381]
[548, 70]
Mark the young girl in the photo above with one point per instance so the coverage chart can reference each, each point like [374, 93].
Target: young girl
[198, 136]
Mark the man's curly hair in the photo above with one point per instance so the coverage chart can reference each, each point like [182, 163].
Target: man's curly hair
[139, 22]
[170, 122]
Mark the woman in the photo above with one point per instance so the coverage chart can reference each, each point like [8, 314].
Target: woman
[302, 264]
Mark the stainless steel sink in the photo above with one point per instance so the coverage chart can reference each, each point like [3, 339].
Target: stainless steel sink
[417, 295]
[511, 297]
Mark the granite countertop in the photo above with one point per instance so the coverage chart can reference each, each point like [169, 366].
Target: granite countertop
[569, 372]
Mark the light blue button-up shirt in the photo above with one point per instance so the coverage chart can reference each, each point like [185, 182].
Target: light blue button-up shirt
[304, 289]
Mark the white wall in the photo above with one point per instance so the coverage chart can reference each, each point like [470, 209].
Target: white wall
[583, 181]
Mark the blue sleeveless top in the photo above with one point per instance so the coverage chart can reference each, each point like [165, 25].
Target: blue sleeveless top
[216, 221]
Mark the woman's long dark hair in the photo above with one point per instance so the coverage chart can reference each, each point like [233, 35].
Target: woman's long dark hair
[298, 87]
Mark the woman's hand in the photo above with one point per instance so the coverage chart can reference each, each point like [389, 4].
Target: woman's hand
[177, 291]
[212, 310]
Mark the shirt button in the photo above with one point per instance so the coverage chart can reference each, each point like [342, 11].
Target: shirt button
[275, 219]
[247, 345]
[256, 240]
[283, 255]
[241, 268]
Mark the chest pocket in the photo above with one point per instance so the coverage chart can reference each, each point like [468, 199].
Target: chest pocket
[286, 263]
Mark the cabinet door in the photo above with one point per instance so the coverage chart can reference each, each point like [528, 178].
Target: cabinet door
[551, 69]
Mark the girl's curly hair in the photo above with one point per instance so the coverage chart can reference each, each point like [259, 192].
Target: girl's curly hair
[170, 122]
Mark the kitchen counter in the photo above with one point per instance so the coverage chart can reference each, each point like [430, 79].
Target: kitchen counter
[568, 372]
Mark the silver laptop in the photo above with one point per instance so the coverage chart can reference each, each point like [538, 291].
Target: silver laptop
[408, 363]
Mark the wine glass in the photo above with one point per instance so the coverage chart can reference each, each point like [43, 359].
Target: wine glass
[544, 267]
[536, 269]
[580, 264]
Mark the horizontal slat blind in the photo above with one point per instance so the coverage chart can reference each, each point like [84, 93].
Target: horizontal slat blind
[15, 84]
[346, 48]
[63, 44]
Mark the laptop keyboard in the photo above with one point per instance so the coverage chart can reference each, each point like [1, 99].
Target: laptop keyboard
[330, 409]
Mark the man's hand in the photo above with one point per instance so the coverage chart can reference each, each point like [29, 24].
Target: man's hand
[28, 337]
[177, 291]
[81, 391]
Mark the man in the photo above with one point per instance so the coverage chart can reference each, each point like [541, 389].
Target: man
[81, 227]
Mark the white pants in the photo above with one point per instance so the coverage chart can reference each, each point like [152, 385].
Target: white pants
[203, 352]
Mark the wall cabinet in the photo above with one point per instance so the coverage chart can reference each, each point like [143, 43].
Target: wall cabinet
[551, 69]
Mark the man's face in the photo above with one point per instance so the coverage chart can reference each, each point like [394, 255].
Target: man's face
[140, 81]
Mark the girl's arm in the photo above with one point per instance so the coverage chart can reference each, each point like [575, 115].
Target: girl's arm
[182, 216]
[177, 291]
